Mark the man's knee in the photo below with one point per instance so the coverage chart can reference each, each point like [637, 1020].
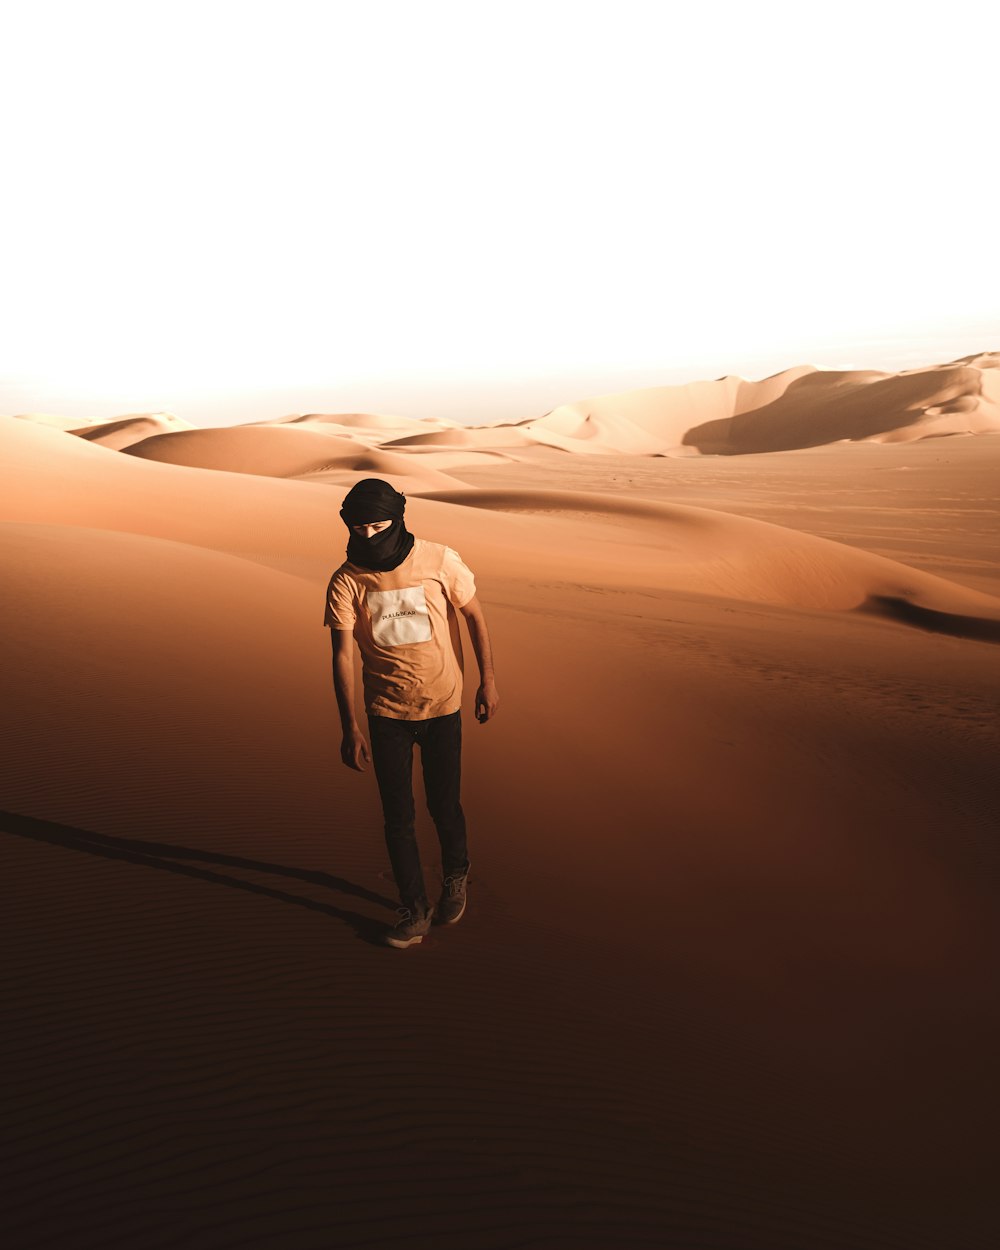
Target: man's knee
[398, 810]
[399, 834]
[445, 809]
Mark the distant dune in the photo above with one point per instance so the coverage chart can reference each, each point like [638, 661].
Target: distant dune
[362, 421]
[271, 451]
[54, 422]
[821, 408]
[797, 408]
[122, 432]
[114, 432]
[279, 451]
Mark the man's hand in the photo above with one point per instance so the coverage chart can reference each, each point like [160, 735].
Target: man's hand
[354, 750]
[487, 699]
[487, 702]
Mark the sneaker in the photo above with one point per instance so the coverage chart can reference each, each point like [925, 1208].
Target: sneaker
[451, 905]
[409, 929]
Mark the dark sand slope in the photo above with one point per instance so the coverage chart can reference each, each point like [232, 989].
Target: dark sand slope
[726, 977]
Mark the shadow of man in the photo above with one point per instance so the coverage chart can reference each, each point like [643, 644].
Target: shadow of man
[165, 856]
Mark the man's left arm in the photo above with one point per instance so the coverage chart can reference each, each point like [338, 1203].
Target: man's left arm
[487, 699]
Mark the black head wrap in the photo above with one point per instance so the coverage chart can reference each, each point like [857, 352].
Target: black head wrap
[371, 499]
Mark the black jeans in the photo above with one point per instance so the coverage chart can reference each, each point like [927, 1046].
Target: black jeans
[440, 739]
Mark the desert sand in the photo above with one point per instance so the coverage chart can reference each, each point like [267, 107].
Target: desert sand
[727, 975]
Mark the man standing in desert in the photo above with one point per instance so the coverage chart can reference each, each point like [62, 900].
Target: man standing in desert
[397, 596]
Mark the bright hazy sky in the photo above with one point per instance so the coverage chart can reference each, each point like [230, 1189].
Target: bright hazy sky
[477, 210]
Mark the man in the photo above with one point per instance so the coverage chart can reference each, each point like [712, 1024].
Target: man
[397, 595]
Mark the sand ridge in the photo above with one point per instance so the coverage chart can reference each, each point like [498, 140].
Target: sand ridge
[796, 408]
[574, 536]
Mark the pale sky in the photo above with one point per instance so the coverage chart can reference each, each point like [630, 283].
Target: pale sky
[477, 210]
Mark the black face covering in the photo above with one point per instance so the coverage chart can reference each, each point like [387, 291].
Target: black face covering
[374, 500]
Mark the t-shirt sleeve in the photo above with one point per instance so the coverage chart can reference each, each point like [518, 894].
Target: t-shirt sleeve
[339, 612]
[459, 583]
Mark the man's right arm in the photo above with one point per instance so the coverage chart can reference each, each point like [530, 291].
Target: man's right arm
[353, 749]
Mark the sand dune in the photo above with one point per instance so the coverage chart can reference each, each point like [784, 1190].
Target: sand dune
[271, 451]
[801, 407]
[53, 421]
[654, 419]
[116, 432]
[384, 422]
[57, 480]
[726, 975]
[797, 408]
[125, 431]
[621, 542]
[279, 451]
[409, 474]
[574, 536]
[817, 409]
[448, 459]
[465, 438]
[363, 422]
[393, 434]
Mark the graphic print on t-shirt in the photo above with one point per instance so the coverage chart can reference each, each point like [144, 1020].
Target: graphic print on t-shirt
[399, 616]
